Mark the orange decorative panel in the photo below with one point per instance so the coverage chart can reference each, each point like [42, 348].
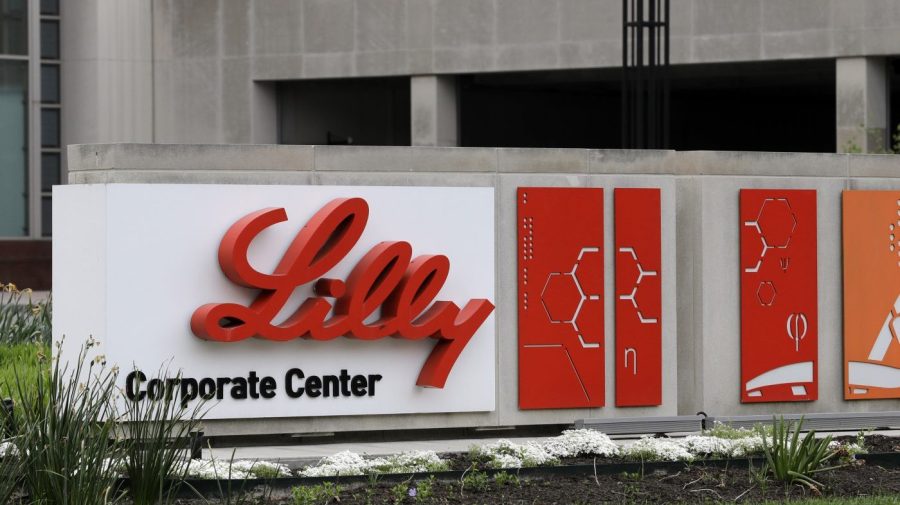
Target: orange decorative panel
[560, 263]
[871, 294]
[779, 302]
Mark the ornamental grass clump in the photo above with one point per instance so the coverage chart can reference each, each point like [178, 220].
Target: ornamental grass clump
[791, 459]
[10, 466]
[65, 429]
[23, 320]
[155, 457]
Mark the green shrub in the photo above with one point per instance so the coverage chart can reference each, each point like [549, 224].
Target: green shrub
[791, 459]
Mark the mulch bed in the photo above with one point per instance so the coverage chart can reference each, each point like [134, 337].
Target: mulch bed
[692, 484]
[617, 482]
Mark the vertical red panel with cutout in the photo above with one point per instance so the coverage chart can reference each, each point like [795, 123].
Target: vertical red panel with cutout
[560, 263]
[779, 312]
[638, 297]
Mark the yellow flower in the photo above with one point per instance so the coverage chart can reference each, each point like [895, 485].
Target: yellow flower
[12, 288]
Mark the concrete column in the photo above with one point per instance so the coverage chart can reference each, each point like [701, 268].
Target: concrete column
[862, 105]
[433, 111]
[107, 71]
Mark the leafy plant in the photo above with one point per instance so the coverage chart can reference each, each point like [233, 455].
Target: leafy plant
[22, 319]
[506, 479]
[476, 481]
[155, 431]
[323, 493]
[65, 427]
[425, 489]
[399, 492]
[791, 459]
[632, 476]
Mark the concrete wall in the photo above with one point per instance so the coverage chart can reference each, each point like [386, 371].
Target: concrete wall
[195, 71]
[701, 296]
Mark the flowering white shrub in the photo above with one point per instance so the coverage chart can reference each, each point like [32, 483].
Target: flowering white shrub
[847, 451]
[506, 454]
[342, 463]
[350, 463]
[408, 462]
[241, 469]
[7, 448]
[581, 443]
[724, 447]
[657, 449]
[725, 430]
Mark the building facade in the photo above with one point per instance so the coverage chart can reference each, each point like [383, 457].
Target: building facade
[759, 75]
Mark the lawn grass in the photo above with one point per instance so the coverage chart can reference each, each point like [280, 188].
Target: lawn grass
[27, 360]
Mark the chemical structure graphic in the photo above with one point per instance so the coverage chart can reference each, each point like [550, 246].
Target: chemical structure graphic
[775, 224]
[632, 296]
[574, 297]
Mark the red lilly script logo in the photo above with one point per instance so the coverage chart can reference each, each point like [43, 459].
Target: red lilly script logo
[386, 277]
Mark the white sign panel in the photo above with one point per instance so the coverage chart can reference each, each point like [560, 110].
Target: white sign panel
[283, 301]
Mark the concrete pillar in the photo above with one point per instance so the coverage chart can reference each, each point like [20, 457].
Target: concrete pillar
[107, 71]
[862, 105]
[433, 111]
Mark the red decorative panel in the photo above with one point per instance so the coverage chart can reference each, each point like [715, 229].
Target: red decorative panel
[638, 298]
[560, 246]
[779, 313]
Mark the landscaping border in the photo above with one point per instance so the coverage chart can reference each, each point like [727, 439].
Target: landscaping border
[211, 487]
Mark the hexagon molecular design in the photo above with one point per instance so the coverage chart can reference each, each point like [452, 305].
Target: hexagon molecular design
[560, 264]
[778, 289]
[766, 293]
[775, 223]
[561, 297]
[564, 295]
[589, 271]
[632, 295]
[638, 297]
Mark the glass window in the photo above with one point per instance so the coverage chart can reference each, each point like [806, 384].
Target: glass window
[49, 39]
[50, 7]
[50, 127]
[13, 148]
[50, 83]
[49, 171]
[13, 27]
[46, 216]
